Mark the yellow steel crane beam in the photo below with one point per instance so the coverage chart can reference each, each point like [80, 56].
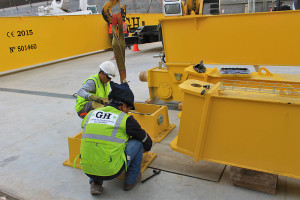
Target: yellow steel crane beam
[239, 39]
[241, 124]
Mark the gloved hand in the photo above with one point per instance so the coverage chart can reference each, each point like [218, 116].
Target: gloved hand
[147, 144]
[97, 99]
[105, 101]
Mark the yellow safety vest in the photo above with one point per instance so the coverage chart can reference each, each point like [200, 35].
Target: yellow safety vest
[103, 142]
[102, 91]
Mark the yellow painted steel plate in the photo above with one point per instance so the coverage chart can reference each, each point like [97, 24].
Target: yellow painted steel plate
[248, 39]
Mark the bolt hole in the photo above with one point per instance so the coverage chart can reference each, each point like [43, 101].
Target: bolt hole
[196, 85]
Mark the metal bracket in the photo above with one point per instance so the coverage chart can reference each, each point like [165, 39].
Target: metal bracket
[160, 119]
[178, 76]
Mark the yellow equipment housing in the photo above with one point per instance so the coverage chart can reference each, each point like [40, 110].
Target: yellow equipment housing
[239, 39]
[241, 124]
[154, 119]
[163, 82]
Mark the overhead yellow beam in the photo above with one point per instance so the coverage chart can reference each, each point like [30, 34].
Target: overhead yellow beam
[27, 41]
[247, 39]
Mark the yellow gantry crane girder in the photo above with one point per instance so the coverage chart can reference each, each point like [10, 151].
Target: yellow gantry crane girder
[239, 39]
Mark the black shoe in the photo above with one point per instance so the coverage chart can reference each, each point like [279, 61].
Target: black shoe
[128, 187]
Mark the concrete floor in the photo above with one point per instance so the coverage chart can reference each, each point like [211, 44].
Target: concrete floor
[38, 117]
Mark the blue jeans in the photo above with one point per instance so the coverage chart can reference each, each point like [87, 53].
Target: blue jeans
[134, 154]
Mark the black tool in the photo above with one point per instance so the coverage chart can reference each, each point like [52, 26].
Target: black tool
[200, 68]
[206, 88]
[155, 172]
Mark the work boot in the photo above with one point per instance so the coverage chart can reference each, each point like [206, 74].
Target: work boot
[96, 188]
[128, 187]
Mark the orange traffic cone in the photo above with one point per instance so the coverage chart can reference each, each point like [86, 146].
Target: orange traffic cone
[135, 47]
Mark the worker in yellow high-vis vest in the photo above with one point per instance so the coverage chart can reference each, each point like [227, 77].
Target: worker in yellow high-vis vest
[112, 141]
[94, 91]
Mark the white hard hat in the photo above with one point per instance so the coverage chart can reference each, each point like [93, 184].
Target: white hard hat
[109, 68]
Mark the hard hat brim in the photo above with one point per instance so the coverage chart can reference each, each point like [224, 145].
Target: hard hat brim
[111, 76]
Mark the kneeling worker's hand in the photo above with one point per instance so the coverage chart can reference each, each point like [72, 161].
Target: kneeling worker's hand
[97, 99]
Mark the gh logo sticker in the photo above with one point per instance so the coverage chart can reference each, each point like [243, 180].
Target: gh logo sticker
[103, 115]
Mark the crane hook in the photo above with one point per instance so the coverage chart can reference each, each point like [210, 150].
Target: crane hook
[106, 10]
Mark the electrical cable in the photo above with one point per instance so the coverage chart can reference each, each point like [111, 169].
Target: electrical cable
[149, 6]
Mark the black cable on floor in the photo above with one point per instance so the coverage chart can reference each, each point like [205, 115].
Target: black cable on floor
[191, 176]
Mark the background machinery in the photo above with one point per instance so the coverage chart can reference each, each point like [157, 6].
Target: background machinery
[189, 7]
[62, 8]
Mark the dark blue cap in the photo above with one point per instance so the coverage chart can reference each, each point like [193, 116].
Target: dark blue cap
[121, 92]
